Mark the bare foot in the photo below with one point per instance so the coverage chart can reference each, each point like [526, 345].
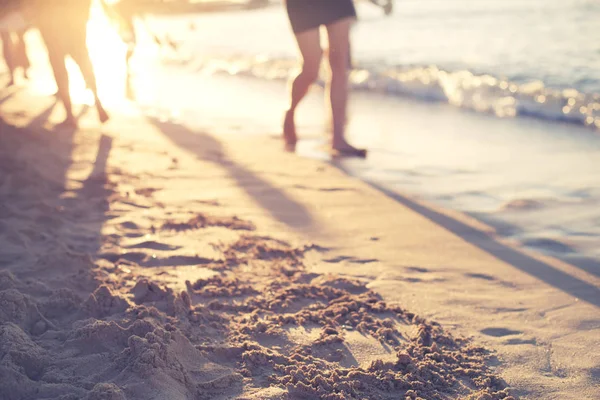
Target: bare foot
[102, 115]
[344, 149]
[289, 132]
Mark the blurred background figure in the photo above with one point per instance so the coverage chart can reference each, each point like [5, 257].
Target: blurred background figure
[63, 27]
[12, 30]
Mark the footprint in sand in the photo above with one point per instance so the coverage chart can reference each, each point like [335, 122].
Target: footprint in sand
[352, 260]
[153, 245]
[174, 261]
[481, 276]
[336, 189]
[153, 260]
[214, 203]
[129, 225]
[416, 269]
[324, 189]
[134, 234]
[509, 309]
[517, 341]
[411, 280]
[136, 205]
[134, 256]
[489, 278]
[146, 192]
[499, 332]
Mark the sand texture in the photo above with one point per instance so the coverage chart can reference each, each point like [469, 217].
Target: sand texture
[151, 260]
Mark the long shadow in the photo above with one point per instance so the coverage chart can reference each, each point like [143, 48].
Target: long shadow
[587, 264]
[539, 269]
[570, 256]
[39, 120]
[95, 186]
[273, 200]
[8, 96]
[64, 221]
[84, 233]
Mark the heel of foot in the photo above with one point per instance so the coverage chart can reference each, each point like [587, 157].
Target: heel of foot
[103, 116]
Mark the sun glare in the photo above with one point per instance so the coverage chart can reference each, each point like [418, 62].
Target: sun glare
[107, 52]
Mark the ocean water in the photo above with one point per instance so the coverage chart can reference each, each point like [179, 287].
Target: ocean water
[491, 108]
[505, 57]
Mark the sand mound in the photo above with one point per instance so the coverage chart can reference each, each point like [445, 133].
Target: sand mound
[103, 302]
[106, 391]
[202, 221]
[21, 310]
[18, 352]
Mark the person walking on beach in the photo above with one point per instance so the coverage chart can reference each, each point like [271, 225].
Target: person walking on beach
[15, 53]
[63, 27]
[306, 17]
[12, 31]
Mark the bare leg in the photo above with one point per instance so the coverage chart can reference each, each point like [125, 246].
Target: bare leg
[339, 54]
[130, 40]
[21, 53]
[309, 44]
[59, 68]
[8, 53]
[81, 56]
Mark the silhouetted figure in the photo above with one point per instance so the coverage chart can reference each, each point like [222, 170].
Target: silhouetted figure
[306, 17]
[63, 26]
[15, 53]
[12, 30]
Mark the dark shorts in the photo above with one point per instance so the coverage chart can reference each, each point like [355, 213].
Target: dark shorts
[310, 14]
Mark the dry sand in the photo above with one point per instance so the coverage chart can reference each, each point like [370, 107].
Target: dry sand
[148, 260]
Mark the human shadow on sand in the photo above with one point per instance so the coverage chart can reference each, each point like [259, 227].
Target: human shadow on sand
[206, 147]
[69, 214]
[532, 266]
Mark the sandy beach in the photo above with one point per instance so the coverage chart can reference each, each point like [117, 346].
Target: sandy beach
[175, 256]
[149, 260]
[132, 268]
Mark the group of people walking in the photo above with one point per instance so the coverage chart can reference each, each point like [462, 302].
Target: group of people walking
[63, 27]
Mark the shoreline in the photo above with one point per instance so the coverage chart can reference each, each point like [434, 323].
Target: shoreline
[513, 175]
[204, 207]
[473, 87]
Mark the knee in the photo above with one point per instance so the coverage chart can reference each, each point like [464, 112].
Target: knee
[310, 70]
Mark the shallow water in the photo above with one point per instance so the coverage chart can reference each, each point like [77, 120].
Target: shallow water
[509, 58]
